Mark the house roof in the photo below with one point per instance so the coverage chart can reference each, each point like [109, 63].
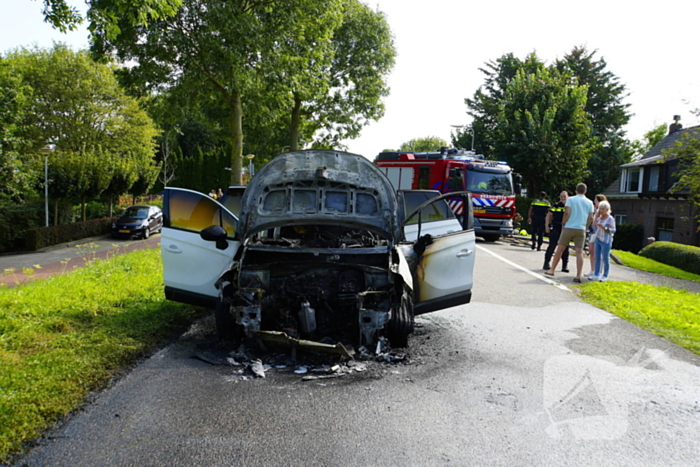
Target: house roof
[655, 154]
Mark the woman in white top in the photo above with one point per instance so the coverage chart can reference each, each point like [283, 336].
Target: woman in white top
[605, 230]
[591, 234]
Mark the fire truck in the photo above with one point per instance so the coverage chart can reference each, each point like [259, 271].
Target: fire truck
[492, 183]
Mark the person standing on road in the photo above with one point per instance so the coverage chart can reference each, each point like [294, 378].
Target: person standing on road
[591, 233]
[605, 230]
[578, 215]
[536, 216]
[553, 226]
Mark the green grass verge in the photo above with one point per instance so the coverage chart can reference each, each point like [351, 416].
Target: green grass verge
[668, 313]
[63, 337]
[645, 264]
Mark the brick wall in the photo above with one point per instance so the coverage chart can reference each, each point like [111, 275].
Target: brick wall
[647, 212]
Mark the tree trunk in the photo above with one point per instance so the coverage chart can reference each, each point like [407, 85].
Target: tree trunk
[111, 204]
[236, 138]
[83, 209]
[294, 125]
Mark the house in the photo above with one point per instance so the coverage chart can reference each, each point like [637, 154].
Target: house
[642, 194]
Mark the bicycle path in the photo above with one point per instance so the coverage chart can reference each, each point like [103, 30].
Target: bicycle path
[23, 267]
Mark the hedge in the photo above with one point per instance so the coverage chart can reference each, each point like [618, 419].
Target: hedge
[685, 257]
[15, 220]
[629, 237]
[55, 234]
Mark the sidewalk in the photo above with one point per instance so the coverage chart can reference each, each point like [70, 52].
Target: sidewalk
[533, 260]
[58, 259]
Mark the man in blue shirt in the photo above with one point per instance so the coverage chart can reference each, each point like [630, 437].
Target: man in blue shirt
[578, 215]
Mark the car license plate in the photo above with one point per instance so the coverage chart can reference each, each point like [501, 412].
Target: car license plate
[479, 211]
[125, 231]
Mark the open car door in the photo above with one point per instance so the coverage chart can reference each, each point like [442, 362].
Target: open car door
[443, 276]
[191, 264]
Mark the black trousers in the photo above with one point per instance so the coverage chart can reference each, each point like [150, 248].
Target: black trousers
[537, 231]
[554, 234]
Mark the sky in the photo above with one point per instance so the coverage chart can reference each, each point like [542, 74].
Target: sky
[441, 44]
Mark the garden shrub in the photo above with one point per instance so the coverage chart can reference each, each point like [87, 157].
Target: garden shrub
[629, 237]
[685, 257]
[16, 219]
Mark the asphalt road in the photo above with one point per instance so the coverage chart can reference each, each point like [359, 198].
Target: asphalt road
[525, 375]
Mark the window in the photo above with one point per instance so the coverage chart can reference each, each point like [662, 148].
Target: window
[433, 212]
[423, 178]
[195, 212]
[631, 180]
[620, 219]
[654, 178]
[664, 229]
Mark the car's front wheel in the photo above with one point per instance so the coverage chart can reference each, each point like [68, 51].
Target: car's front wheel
[225, 324]
[401, 324]
[146, 233]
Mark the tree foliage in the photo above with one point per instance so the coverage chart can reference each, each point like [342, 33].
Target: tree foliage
[604, 107]
[543, 131]
[16, 176]
[427, 144]
[485, 106]
[78, 106]
[687, 150]
[607, 113]
[104, 15]
[284, 72]
[236, 49]
[362, 56]
[649, 140]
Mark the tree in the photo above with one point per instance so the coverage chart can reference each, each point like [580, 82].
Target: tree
[427, 144]
[237, 49]
[104, 15]
[543, 131]
[362, 56]
[485, 106]
[607, 113]
[649, 140]
[687, 150]
[77, 105]
[16, 175]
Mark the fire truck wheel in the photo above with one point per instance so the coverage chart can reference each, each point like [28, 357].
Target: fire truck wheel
[401, 323]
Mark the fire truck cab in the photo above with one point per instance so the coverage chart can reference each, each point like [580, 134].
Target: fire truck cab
[492, 183]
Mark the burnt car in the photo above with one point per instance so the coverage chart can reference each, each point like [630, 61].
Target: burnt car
[318, 250]
[138, 221]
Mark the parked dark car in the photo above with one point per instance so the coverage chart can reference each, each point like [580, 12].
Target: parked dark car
[138, 221]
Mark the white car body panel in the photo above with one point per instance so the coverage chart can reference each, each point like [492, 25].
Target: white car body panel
[193, 264]
[446, 266]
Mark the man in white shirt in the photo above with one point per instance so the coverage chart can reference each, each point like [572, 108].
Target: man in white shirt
[578, 215]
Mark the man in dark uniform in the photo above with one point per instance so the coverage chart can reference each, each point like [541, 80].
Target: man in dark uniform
[553, 226]
[536, 216]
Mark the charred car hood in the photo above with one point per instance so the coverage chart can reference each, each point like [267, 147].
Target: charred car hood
[320, 187]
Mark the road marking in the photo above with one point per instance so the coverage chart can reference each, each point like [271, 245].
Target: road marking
[534, 274]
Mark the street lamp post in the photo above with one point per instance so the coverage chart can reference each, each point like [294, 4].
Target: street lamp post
[46, 150]
[471, 130]
[251, 167]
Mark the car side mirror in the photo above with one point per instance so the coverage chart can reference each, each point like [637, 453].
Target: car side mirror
[215, 233]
